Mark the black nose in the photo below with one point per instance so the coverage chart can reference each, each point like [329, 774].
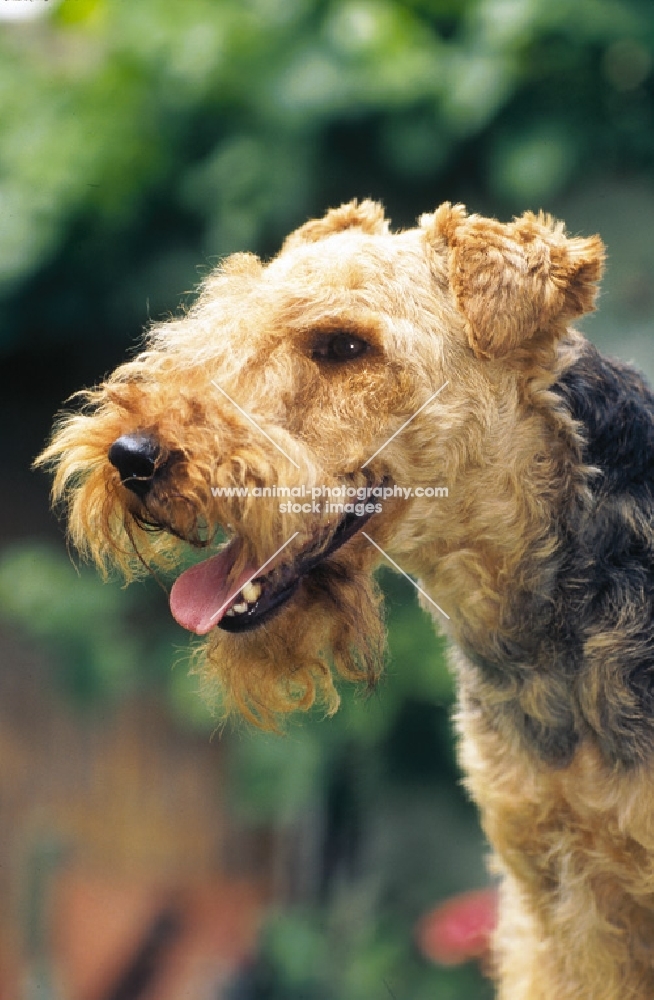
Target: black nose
[135, 457]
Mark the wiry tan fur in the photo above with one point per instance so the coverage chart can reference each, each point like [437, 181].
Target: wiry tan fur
[486, 308]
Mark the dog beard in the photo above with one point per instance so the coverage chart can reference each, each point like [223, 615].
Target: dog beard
[334, 625]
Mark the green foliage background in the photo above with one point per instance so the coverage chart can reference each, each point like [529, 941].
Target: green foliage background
[140, 142]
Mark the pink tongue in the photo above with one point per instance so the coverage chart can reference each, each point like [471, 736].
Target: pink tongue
[200, 596]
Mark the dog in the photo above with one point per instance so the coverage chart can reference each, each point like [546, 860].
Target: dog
[295, 424]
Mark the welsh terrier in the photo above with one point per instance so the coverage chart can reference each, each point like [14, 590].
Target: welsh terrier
[298, 422]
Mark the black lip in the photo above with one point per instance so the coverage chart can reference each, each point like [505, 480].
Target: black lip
[268, 605]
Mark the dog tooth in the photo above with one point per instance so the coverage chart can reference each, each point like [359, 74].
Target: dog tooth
[240, 608]
[251, 592]
[230, 611]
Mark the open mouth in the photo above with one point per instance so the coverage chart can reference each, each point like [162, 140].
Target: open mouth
[201, 597]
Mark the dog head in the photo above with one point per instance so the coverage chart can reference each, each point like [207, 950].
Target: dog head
[273, 424]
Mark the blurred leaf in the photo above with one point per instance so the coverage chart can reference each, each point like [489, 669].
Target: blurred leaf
[534, 167]
[276, 777]
[100, 636]
[40, 588]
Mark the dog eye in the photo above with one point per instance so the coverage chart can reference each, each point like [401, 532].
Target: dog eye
[340, 347]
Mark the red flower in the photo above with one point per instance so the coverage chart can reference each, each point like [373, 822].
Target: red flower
[459, 929]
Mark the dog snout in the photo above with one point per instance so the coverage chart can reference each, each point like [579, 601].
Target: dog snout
[135, 457]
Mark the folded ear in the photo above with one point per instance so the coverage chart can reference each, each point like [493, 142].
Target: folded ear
[517, 280]
[367, 215]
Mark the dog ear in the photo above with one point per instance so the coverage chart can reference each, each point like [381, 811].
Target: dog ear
[368, 216]
[514, 281]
